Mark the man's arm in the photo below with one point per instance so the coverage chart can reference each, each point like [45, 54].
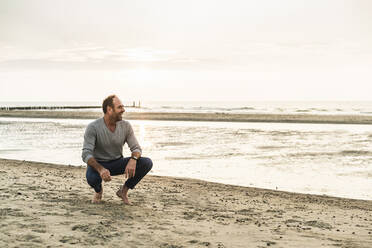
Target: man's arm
[89, 144]
[133, 145]
[87, 154]
[136, 150]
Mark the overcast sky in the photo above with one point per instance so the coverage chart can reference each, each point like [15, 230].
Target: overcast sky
[185, 50]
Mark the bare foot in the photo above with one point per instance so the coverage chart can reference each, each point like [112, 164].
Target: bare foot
[97, 198]
[123, 194]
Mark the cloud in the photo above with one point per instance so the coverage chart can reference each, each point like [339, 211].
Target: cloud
[93, 54]
[251, 54]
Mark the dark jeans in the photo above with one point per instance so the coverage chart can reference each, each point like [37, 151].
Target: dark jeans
[117, 167]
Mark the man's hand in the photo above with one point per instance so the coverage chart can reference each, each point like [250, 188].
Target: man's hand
[130, 170]
[105, 174]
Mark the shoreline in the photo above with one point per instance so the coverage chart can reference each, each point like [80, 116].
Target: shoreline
[83, 166]
[216, 117]
[169, 212]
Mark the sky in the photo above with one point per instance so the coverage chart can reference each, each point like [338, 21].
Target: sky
[172, 50]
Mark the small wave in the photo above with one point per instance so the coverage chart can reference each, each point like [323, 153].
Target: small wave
[311, 110]
[311, 154]
[283, 133]
[171, 107]
[231, 154]
[12, 150]
[210, 108]
[322, 154]
[203, 156]
[243, 108]
[205, 108]
[242, 131]
[5, 123]
[356, 153]
[361, 173]
[172, 144]
[180, 158]
[270, 147]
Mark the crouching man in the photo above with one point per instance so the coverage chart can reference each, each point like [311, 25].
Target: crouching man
[103, 151]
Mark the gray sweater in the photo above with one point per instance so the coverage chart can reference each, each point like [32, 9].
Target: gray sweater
[104, 145]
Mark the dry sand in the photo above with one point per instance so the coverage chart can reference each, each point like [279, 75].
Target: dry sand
[287, 118]
[44, 205]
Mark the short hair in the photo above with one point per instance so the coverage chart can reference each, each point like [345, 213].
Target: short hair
[109, 101]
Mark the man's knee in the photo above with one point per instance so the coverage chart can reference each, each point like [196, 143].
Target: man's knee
[93, 178]
[147, 163]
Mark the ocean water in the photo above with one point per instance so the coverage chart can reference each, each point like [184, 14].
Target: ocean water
[247, 107]
[325, 159]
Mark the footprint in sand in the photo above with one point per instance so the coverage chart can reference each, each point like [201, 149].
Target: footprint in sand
[319, 224]
[83, 228]
[15, 212]
[29, 238]
[101, 231]
[69, 240]
[202, 243]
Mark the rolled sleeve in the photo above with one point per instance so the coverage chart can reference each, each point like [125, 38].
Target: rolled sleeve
[132, 141]
[89, 143]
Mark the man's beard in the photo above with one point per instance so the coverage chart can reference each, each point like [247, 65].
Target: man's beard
[117, 117]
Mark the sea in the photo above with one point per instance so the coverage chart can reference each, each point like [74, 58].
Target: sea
[323, 159]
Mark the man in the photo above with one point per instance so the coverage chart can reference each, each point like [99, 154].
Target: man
[103, 151]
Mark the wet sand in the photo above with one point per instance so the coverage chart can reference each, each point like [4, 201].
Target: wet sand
[44, 205]
[284, 118]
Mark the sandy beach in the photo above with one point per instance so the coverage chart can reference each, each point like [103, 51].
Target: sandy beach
[279, 118]
[45, 205]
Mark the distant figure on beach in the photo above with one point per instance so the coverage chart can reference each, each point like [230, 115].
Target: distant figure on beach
[103, 151]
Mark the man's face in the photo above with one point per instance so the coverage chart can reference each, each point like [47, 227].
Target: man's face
[117, 112]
